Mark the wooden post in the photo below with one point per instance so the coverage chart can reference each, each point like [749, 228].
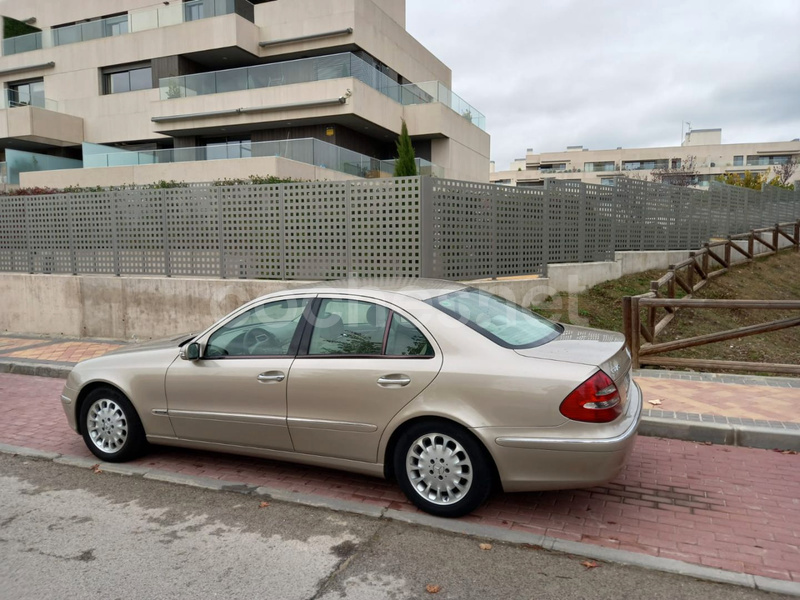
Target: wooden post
[690, 274]
[635, 332]
[775, 235]
[705, 259]
[797, 236]
[671, 284]
[728, 250]
[626, 321]
[751, 243]
[651, 311]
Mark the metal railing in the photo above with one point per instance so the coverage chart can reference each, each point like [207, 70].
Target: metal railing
[139, 20]
[306, 150]
[321, 68]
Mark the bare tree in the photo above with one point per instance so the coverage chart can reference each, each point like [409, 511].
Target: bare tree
[683, 175]
[784, 172]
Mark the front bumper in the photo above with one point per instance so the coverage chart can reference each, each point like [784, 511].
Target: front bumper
[530, 461]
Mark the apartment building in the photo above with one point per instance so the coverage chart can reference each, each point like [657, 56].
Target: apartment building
[711, 159]
[110, 92]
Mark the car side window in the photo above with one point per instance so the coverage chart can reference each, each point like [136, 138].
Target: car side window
[348, 327]
[405, 339]
[265, 330]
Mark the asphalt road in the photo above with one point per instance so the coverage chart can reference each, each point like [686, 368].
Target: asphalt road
[71, 533]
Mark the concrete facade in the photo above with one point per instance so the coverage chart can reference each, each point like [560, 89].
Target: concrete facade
[78, 104]
[712, 158]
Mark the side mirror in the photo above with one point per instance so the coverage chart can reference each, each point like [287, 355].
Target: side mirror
[191, 351]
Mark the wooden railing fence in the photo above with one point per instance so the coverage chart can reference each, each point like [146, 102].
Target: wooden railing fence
[645, 316]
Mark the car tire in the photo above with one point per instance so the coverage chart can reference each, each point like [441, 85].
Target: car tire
[442, 469]
[111, 427]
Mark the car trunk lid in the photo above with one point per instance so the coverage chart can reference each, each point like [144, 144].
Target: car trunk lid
[581, 345]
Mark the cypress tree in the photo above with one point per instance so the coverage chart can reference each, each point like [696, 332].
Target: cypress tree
[405, 165]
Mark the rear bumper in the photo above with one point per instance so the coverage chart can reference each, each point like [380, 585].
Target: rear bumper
[560, 461]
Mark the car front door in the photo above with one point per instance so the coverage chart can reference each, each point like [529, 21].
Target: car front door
[358, 366]
[235, 393]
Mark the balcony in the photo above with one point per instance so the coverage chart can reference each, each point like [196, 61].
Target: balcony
[38, 120]
[321, 68]
[12, 99]
[306, 150]
[139, 20]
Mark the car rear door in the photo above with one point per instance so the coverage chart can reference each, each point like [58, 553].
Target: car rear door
[359, 364]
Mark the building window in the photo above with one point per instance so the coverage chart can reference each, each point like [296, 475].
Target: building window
[553, 168]
[127, 78]
[675, 163]
[228, 147]
[645, 165]
[599, 166]
[193, 10]
[608, 181]
[116, 25]
[25, 93]
[758, 161]
[738, 161]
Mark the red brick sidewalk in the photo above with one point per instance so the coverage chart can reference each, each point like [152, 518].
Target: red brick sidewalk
[733, 508]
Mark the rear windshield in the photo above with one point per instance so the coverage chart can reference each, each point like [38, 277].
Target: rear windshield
[503, 322]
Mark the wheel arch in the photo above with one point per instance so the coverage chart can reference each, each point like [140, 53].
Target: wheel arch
[391, 445]
[88, 389]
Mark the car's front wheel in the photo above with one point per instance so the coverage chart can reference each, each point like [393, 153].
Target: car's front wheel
[110, 426]
[442, 469]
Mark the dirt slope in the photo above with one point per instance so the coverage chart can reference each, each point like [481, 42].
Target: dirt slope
[772, 278]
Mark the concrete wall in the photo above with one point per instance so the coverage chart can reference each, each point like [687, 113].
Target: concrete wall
[128, 308]
[140, 308]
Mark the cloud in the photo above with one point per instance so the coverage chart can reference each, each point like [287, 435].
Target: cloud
[608, 73]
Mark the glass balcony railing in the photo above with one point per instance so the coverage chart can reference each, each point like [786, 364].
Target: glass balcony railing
[13, 98]
[334, 66]
[139, 20]
[306, 150]
[3, 173]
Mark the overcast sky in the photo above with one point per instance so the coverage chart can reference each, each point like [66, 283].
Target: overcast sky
[605, 73]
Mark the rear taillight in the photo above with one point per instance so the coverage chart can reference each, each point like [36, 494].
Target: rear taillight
[596, 400]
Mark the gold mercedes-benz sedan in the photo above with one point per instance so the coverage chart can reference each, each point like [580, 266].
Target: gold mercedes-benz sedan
[447, 389]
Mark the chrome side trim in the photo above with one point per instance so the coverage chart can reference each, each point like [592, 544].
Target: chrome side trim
[160, 412]
[334, 425]
[598, 444]
[66, 399]
[233, 417]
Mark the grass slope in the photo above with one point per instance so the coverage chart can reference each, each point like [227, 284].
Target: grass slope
[771, 278]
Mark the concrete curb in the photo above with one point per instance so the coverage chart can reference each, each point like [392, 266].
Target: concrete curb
[18, 367]
[601, 553]
[749, 436]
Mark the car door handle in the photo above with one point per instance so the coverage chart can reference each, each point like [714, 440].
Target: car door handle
[271, 377]
[394, 380]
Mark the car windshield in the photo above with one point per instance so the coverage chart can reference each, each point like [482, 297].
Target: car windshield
[503, 322]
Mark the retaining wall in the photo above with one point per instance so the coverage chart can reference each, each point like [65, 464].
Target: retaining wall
[140, 308]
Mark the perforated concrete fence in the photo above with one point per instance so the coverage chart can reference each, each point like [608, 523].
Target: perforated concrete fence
[405, 227]
[316, 230]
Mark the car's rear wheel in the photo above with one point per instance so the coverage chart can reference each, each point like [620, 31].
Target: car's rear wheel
[111, 428]
[442, 469]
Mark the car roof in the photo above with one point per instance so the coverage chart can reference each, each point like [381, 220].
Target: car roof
[412, 287]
